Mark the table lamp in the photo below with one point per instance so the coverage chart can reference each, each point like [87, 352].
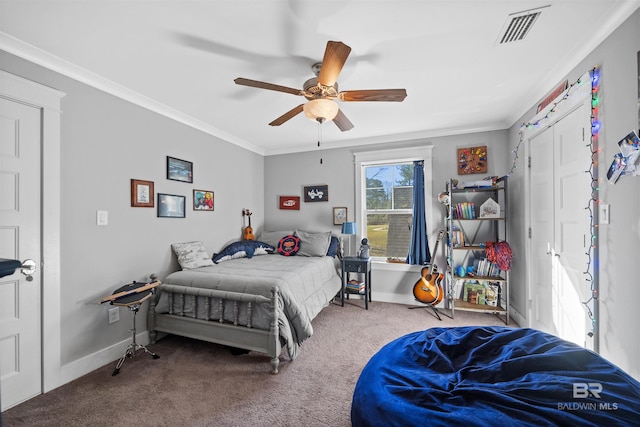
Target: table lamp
[350, 229]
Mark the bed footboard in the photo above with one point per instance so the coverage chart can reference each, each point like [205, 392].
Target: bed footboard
[217, 330]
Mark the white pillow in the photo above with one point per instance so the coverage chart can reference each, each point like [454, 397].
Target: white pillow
[313, 244]
[191, 255]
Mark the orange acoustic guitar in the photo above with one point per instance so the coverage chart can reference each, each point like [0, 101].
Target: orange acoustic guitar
[247, 233]
[428, 288]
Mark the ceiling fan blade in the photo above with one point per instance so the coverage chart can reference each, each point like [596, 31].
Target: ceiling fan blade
[286, 116]
[343, 123]
[335, 55]
[389, 95]
[270, 86]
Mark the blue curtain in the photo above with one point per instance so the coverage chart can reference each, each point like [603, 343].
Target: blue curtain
[419, 249]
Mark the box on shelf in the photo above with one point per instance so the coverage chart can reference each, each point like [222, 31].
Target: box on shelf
[492, 294]
[490, 209]
[474, 293]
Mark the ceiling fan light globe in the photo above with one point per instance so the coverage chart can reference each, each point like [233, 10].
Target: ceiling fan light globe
[320, 109]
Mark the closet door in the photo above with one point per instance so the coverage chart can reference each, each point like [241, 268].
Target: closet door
[560, 235]
[542, 225]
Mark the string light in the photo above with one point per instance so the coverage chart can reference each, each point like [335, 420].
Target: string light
[590, 304]
[596, 125]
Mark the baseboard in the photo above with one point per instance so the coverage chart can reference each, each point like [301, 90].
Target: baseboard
[91, 362]
[396, 298]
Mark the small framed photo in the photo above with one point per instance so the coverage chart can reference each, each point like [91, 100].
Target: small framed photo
[202, 200]
[339, 215]
[316, 193]
[290, 203]
[171, 206]
[142, 195]
[179, 170]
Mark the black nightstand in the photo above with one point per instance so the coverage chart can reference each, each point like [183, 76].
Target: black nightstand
[356, 265]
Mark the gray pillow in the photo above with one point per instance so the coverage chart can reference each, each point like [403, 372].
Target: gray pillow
[191, 255]
[273, 237]
[313, 244]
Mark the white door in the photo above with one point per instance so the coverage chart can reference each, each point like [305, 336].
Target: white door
[560, 235]
[20, 299]
[542, 223]
[572, 161]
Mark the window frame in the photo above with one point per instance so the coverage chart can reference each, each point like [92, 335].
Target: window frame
[383, 157]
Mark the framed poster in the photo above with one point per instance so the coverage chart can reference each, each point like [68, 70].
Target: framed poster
[171, 206]
[339, 215]
[316, 193]
[179, 170]
[290, 203]
[472, 160]
[142, 193]
[202, 200]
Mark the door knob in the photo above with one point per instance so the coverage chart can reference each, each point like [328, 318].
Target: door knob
[28, 268]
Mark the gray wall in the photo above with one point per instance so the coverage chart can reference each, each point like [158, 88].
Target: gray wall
[619, 241]
[105, 143]
[288, 174]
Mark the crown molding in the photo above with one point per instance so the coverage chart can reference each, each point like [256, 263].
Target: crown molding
[40, 57]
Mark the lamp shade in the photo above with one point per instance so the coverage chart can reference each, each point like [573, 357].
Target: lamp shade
[349, 228]
[325, 109]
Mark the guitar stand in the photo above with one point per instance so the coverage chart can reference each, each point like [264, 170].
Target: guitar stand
[435, 310]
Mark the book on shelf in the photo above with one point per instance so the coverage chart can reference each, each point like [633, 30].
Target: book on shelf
[457, 238]
[484, 267]
[465, 210]
[355, 286]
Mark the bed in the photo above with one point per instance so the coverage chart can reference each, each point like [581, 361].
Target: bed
[255, 303]
[492, 376]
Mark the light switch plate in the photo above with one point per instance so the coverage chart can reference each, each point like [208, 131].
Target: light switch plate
[102, 217]
[604, 213]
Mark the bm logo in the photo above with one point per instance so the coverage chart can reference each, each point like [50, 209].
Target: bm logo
[584, 390]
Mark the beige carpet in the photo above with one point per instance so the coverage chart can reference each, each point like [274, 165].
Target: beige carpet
[200, 384]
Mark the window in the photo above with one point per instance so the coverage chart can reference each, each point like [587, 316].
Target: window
[384, 199]
[388, 208]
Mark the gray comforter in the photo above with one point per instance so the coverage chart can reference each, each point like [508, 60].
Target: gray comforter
[306, 285]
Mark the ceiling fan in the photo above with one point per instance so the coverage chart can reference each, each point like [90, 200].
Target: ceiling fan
[322, 91]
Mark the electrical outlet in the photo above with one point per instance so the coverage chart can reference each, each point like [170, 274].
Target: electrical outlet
[114, 315]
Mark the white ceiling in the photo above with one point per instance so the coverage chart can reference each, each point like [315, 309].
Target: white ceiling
[180, 57]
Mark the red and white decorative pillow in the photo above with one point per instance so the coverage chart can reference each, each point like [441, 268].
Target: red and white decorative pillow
[289, 245]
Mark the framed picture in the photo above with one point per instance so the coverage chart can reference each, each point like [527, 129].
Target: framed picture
[171, 206]
[316, 193]
[179, 170]
[339, 215]
[202, 200]
[472, 160]
[142, 193]
[290, 203]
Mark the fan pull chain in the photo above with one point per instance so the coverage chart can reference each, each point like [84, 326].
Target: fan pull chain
[320, 139]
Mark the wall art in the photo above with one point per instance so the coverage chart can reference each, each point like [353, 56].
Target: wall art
[202, 200]
[171, 206]
[472, 160]
[316, 193]
[179, 170]
[142, 195]
[339, 215]
[289, 203]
